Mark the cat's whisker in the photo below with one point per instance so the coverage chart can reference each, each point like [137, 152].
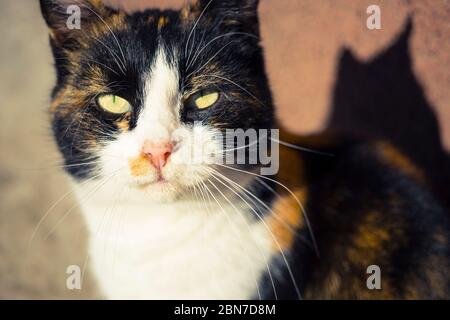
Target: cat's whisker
[60, 166]
[241, 147]
[109, 222]
[81, 201]
[190, 61]
[192, 45]
[233, 83]
[74, 117]
[269, 230]
[233, 226]
[210, 59]
[84, 108]
[300, 148]
[110, 30]
[93, 61]
[264, 256]
[291, 193]
[198, 53]
[94, 235]
[80, 120]
[121, 227]
[204, 192]
[75, 135]
[193, 29]
[114, 216]
[77, 164]
[279, 141]
[269, 209]
[115, 57]
[263, 183]
[47, 213]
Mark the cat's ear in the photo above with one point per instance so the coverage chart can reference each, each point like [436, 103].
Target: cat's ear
[242, 14]
[67, 18]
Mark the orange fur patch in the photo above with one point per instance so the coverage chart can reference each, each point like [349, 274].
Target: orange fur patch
[124, 123]
[162, 21]
[286, 219]
[190, 12]
[139, 166]
[398, 160]
[287, 216]
[369, 240]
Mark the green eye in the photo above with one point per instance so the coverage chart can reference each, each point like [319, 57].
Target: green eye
[113, 104]
[205, 100]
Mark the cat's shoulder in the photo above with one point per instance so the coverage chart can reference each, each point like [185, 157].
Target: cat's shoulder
[370, 173]
[369, 204]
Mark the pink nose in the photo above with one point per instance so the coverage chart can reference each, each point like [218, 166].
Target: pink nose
[157, 153]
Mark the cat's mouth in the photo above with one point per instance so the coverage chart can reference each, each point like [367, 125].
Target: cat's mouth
[157, 184]
[159, 189]
[160, 180]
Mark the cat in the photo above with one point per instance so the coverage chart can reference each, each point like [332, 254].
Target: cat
[136, 93]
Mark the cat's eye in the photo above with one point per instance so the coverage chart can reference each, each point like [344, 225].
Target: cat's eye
[113, 104]
[204, 99]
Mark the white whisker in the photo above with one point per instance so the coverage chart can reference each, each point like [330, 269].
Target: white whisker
[288, 267]
[291, 193]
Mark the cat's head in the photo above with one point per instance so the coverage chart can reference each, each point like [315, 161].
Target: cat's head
[138, 94]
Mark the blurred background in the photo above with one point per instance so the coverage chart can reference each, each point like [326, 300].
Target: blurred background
[326, 68]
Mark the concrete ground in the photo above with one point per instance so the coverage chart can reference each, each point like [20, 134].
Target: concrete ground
[303, 41]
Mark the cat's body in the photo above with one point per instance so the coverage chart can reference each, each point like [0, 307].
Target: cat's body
[137, 93]
[367, 205]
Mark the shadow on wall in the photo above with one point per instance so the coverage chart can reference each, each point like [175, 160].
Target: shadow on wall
[382, 98]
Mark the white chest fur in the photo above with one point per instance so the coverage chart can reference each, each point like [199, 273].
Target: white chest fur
[181, 250]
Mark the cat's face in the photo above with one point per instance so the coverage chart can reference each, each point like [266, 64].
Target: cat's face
[139, 95]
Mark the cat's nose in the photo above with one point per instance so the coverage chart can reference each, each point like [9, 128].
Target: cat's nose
[157, 153]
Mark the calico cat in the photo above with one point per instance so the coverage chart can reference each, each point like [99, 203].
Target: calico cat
[136, 93]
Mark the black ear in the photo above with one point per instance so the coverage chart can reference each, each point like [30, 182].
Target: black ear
[242, 14]
[67, 18]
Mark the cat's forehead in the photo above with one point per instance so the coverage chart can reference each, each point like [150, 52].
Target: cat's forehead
[137, 39]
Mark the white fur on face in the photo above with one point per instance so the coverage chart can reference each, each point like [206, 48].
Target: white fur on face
[159, 121]
[161, 249]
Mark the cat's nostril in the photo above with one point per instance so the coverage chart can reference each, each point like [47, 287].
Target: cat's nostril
[166, 156]
[157, 153]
